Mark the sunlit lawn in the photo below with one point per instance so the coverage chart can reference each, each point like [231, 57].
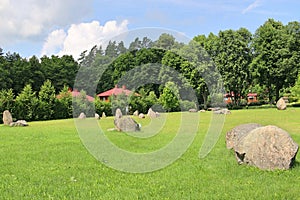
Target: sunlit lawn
[48, 161]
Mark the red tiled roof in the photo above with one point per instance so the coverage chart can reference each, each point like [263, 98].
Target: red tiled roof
[116, 91]
[76, 93]
[252, 94]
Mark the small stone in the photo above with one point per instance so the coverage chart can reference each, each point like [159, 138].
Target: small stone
[82, 116]
[19, 123]
[192, 110]
[136, 113]
[152, 114]
[281, 105]
[97, 116]
[141, 116]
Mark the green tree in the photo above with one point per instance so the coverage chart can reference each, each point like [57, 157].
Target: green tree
[295, 91]
[272, 63]
[82, 104]
[26, 104]
[63, 104]
[169, 98]
[233, 59]
[6, 100]
[47, 100]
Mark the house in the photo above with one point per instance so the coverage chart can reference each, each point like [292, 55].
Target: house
[104, 96]
[251, 98]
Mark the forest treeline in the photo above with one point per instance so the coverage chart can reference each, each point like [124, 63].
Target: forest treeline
[265, 62]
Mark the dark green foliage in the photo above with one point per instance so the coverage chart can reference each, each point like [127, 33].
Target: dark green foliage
[82, 105]
[102, 106]
[169, 98]
[26, 105]
[6, 101]
[47, 101]
[63, 105]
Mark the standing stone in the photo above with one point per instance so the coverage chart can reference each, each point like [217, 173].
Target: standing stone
[82, 116]
[152, 114]
[7, 118]
[126, 124]
[267, 147]
[136, 113]
[103, 115]
[234, 136]
[281, 105]
[97, 116]
[118, 113]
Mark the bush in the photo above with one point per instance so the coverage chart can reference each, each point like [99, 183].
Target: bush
[63, 104]
[6, 101]
[82, 104]
[102, 106]
[186, 105]
[26, 105]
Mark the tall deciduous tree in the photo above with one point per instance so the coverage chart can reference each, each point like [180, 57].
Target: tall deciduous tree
[47, 100]
[272, 63]
[232, 55]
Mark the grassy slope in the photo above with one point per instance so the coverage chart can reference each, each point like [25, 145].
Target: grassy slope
[48, 161]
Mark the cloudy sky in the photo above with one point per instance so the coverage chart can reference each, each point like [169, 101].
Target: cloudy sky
[35, 27]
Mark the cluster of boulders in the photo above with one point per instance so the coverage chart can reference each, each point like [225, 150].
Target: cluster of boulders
[266, 147]
[8, 120]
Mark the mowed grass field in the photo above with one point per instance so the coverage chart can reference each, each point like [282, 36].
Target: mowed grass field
[47, 160]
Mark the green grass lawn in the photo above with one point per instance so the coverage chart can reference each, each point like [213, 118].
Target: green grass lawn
[47, 160]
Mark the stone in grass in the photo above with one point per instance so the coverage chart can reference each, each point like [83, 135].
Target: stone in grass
[136, 113]
[125, 124]
[97, 116]
[267, 148]
[141, 116]
[192, 110]
[7, 118]
[19, 123]
[237, 133]
[82, 116]
[281, 105]
[152, 114]
[103, 115]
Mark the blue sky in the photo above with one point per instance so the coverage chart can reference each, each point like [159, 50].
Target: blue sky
[34, 27]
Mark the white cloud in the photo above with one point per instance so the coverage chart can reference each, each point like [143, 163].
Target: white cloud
[32, 19]
[252, 6]
[54, 42]
[80, 37]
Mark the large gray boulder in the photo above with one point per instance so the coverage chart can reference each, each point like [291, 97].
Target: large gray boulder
[7, 118]
[267, 147]
[281, 105]
[234, 136]
[124, 123]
